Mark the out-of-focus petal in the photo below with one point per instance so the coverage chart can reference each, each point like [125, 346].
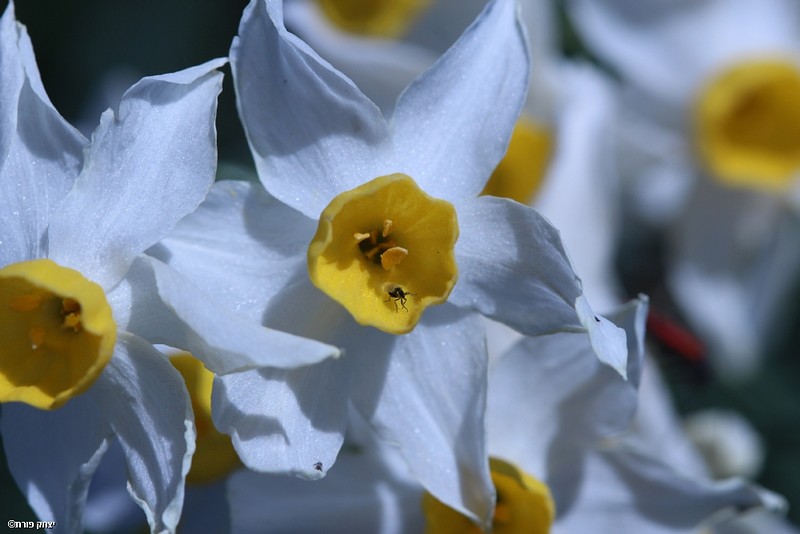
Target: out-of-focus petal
[313, 134]
[241, 245]
[628, 491]
[428, 398]
[147, 167]
[579, 194]
[453, 123]
[144, 399]
[160, 305]
[649, 42]
[381, 68]
[53, 455]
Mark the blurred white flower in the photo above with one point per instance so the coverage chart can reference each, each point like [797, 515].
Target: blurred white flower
[729, 444]
[709, 146]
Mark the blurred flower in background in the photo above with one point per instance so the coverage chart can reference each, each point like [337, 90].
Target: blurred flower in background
[709, 139]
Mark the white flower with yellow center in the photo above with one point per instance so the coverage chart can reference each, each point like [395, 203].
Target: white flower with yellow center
[371, 238]
[79, 304]
[560, 153]
[710, 144]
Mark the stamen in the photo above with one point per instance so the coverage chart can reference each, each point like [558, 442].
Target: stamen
[25, 303]
[374, 246]
[393, 256]
[72, 320]
[70, 305]
[71, 310]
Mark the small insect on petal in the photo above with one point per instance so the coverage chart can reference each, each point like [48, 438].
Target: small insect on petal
[398, 294]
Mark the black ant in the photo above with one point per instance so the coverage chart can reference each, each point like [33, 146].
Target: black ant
[397, 294]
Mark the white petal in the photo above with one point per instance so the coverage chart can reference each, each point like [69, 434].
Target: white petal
[241, 245]
[40, 153]
[607, 340]
[285, 421]
[53, 455]
[147, 167]
[313, 134]
[144, 399]
[649, 42]
[453, 124]
[363, 493]
[164, 307]
[428, 397]
[624, 490]
[550, 398]
[513, 267]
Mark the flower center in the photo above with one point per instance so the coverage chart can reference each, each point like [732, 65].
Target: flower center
[385, 251]
[524, 506]
[377, 18]
[520, 174]
[214, 456]
[747, 124]
[57, 333]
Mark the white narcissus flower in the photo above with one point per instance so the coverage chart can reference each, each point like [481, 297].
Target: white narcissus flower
[80, 305]
[709, 148]
[560, 158]
[555, 412]
[370, 210]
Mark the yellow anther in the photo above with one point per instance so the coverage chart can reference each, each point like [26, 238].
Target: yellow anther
[393, 256]
[388, 226]
[361, 236]
[69, 305]
[73, 321]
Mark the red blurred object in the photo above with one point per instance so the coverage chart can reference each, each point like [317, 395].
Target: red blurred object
[675, 337]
